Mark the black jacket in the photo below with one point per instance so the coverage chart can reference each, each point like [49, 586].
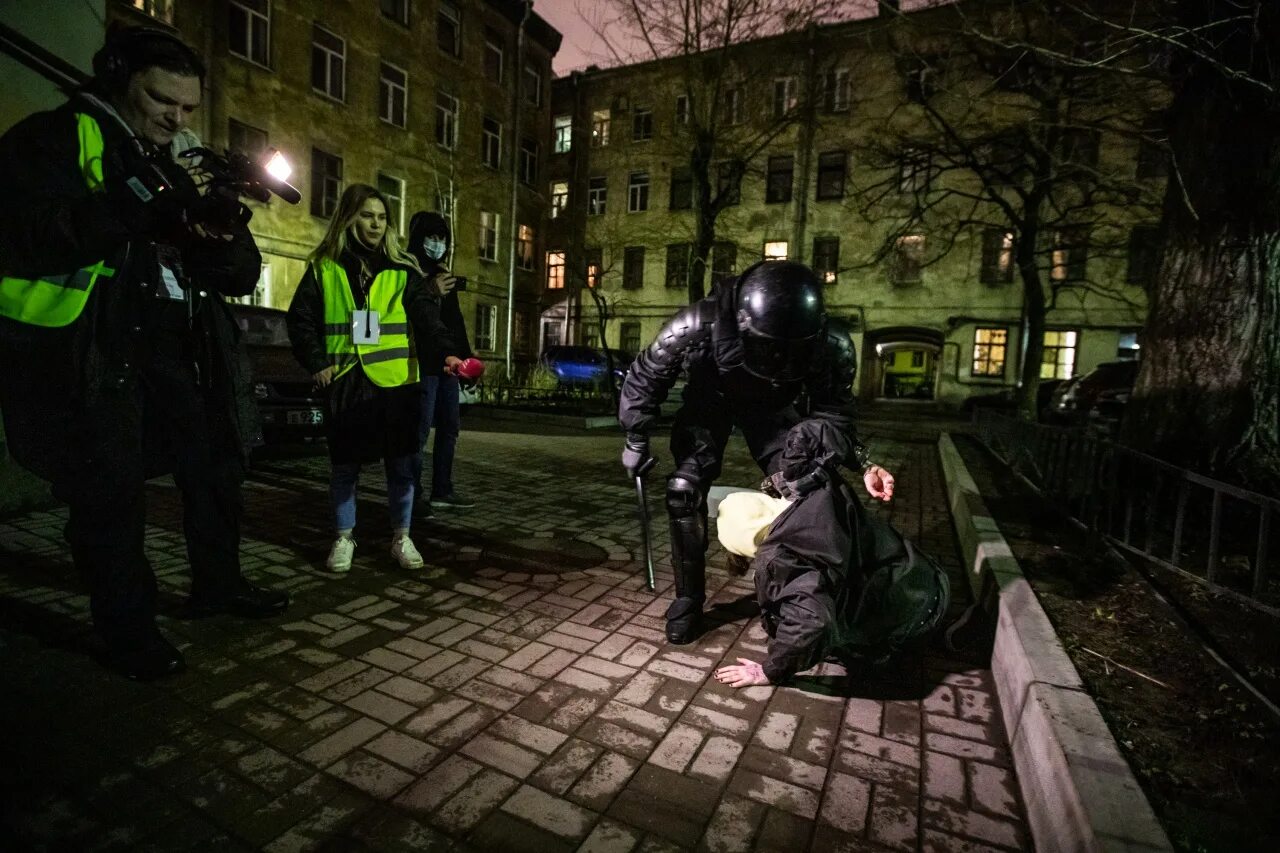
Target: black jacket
[432, 350]
[702, 341]
[59, 386]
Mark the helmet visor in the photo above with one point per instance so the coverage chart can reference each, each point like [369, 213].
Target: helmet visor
[778, 359]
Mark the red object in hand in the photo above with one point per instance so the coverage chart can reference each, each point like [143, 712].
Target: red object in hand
[469, 368]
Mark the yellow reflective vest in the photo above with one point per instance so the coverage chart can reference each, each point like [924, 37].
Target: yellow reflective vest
[390, 362]
[57, 300]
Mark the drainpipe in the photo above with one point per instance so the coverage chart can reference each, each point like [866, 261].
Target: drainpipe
[515, 179]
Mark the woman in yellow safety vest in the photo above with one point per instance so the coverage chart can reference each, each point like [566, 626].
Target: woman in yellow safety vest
[350, 326]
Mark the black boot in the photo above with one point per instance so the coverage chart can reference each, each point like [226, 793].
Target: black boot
[244, 599]
[147, 658]
[689, 564]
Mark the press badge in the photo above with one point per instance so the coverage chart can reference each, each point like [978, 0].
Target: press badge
[169, 264]
[365, 328]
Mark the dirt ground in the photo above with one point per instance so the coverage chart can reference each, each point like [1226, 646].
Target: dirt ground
[1204, 749]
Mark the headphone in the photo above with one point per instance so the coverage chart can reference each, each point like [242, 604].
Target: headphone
[118, 57]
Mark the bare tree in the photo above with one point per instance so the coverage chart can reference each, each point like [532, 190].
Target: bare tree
[716, 74]
[1013, 147]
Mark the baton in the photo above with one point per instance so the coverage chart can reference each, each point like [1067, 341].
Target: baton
[644, 531]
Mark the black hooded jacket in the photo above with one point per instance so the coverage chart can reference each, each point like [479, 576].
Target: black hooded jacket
[431, 349]
[702, 341]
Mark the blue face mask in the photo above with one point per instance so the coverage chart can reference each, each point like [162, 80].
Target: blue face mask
[434, 248]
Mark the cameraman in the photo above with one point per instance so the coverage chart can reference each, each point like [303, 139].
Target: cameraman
[120, 360]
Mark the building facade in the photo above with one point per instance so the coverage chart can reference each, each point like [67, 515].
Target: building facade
[443, 105]
[803, 124]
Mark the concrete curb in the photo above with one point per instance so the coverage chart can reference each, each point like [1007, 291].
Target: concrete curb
[1080, 793]
[496, 413]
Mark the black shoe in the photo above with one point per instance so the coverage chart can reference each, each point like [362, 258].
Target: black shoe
[453, 500]
[422, 508]
[248, 602]
[684, 618]
[154, 659]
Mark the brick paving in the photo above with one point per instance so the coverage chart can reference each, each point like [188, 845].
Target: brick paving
[516, 695]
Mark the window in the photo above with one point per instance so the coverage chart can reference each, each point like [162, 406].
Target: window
[682, 109]
[159, 9]
[493, 55]
[638, 192]
[733, 106]
[444, 203]
[393, 189]
[633, 267]
[532, 86]
[921, 80]
[564, 134]
[591, 335]
[678, 264]
[555, 270]
[681, 189]
[629, 337]
[729, 182]
[396, 10]
[778, 184]
[248, 140]
[1059, 360]
[249, 30]
[1070, 256]
[1143, 254]
[917, 358]
[486, 320]
[326, 183]
[835, 90]
[1153, 156]
[597, 195]
[594, 266]
[328, 63]
[449, 28]
[599, 128]
[528, 162]
[1080, 147]
[524, 247]
[826, 258]
[831, 175]
[559, 198]
[552, 332]
[784, 96]
[393, 94]
[775, 250]
[913, 171]
[724, 261]
[997, 256]
[446, 120]
[261, 291]
[989, 348]
[491, 142]
[488, 235]
[642, 124]
[908, 259]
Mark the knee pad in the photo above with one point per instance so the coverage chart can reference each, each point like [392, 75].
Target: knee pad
[684, 497]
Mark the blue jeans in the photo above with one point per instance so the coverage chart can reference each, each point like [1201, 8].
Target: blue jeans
[439, 409]
[342, 491]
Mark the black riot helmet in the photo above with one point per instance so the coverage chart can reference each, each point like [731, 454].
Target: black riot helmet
[781, 321]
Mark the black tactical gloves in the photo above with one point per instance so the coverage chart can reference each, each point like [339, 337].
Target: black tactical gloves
[635, 455]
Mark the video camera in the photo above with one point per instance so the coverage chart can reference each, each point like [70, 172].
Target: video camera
[236, 175]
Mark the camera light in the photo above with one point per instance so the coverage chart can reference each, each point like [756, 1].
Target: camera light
[278, 167]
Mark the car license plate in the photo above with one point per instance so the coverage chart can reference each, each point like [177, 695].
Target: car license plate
[311, 416]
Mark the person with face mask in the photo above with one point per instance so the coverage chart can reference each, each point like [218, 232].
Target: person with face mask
[429, 244]
[350, 327]
[760, 354]
[119, 360]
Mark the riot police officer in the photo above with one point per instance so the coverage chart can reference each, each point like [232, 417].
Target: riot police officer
[759, 353]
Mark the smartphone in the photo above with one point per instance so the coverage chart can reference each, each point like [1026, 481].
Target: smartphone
[459, 282]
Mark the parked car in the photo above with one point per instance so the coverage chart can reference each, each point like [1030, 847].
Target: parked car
[581, 365]
[1074, 403]
[292, 408]
[1004, 399]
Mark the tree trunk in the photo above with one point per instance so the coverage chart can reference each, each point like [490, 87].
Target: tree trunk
[1208, 392]
[1033, 351]
[704, 212]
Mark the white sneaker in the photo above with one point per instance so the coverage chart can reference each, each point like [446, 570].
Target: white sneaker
[405, 553]
[344, 548]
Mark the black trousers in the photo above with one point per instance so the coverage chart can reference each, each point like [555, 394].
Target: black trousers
[107, 526]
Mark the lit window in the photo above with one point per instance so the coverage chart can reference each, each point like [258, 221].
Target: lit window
[826, 258]
[1059, 360]
[328, 63]
[524, 247]
[249, 30]
[638, 192]
[559, 198]
[393, 94]
[775, 250]
[989, 348]
[1070, 255]
[599, 128]
[997, 256]
[488, 235]
[595, 264]
[564, 134]
[555, 270]
[159, 9]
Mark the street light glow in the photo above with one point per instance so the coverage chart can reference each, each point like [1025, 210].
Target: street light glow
[278, 167]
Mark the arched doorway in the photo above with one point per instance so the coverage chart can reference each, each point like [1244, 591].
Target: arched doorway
[901, 363]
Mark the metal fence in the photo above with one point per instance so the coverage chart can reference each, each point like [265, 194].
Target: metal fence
[1211, 532]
